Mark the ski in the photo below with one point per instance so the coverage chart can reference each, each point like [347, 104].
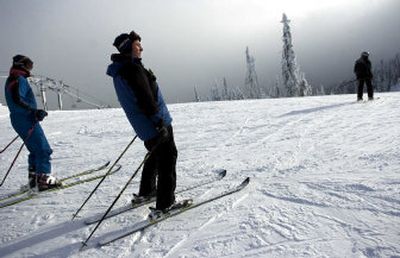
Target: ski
[30, 194]
[220, 175]
[148, 223]
[25, 188]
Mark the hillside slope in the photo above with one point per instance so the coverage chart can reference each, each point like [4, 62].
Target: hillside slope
[324, 181]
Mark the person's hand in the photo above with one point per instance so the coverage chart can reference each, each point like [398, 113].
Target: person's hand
[40, 114]
[162, 130]
[163, 136]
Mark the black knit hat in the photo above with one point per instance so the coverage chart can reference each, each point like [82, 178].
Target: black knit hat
[22, 62]
[365, 53]
[124, 42]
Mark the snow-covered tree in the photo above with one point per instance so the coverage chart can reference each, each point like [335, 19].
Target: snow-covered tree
[252, 88]
[215, 96]
[196, 95]
[274, 89]
[387, 74]
[321, 90]
[294, 82]
[238, 93]
[225, 92]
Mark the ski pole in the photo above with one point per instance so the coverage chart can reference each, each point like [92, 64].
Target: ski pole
[19, 151]
[8, 145]
[106, 174]
[115, 200]
[12, 164]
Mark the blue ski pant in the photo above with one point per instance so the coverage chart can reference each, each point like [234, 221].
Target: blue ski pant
[35, 140]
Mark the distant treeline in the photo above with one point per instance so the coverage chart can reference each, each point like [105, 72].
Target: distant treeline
[386, 75]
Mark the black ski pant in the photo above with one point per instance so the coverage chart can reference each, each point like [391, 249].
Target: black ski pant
[159, 171]
[370, 89]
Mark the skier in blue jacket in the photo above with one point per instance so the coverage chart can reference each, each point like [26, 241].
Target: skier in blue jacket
[25, 118]
[141, 99]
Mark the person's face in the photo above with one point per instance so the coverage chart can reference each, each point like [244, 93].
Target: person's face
[29, 67]
[137, 49]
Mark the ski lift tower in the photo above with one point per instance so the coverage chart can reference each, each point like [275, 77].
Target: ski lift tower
[44, 83]
[42, 88]
[59, 95]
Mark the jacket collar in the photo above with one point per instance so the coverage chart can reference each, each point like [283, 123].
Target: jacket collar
[121, 58]
[16, 71]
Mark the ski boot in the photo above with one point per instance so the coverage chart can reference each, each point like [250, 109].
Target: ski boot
[46, 181]
[138, 199]
[32, 179]
[158, 213]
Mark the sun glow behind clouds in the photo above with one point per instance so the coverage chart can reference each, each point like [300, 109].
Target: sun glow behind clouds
[295, 7]
[262, 12]
[298, 8]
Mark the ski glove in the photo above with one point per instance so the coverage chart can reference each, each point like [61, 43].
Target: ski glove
[162, 131]
[163, 136]
[40, 114]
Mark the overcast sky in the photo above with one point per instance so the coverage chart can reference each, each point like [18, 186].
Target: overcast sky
[191, 43]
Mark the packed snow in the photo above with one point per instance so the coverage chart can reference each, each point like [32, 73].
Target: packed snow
[324, 181]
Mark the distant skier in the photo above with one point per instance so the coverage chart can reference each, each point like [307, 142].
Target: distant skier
[144, 106]
[362, 69]
[25, 118]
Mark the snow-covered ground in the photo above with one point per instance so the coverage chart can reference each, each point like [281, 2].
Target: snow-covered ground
[325, 181]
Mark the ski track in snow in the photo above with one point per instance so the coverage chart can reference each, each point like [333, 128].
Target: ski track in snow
[324, 182]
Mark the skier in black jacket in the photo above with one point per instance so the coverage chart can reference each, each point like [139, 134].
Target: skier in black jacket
[141, 99]
[362, 69]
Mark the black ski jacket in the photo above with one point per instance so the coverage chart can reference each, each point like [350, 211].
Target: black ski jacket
[362, 68]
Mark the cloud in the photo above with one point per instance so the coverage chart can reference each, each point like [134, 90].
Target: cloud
[190, 43]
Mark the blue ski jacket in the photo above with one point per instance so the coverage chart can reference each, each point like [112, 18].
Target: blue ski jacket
[19, 95]
[139, 96]
[22, 104]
